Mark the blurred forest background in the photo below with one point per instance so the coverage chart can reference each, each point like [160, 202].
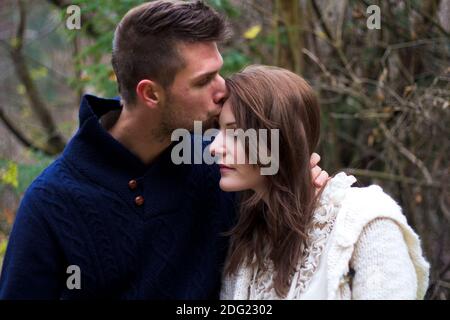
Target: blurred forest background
[385, 93]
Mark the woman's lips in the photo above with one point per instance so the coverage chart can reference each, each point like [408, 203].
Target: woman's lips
[224, 168]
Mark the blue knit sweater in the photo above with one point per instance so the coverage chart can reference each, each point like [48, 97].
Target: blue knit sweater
[82, 211]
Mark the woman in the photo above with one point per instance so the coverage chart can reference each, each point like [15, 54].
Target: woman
[289, 242]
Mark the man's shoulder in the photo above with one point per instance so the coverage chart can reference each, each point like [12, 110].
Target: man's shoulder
[54, 182]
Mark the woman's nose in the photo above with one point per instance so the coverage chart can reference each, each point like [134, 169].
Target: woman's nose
[216, 147]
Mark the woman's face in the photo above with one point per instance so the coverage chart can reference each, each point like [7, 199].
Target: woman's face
[236, 172]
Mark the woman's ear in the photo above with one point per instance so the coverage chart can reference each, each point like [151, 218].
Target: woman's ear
[149, 92]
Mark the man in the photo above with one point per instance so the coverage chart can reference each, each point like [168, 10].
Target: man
[113, 217]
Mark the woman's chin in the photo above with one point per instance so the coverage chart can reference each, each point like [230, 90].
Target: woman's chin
[225, 187]
[228, 186]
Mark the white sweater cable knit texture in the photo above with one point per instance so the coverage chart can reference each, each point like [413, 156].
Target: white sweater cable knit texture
[360, 247]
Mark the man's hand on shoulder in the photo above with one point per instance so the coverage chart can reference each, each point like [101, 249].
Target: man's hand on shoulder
[319, 176]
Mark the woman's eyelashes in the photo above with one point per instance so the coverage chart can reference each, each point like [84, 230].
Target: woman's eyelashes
[216, 124]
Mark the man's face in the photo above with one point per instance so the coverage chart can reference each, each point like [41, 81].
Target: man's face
[198, 91]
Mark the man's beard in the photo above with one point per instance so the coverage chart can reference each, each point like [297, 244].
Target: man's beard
[169, 117]
[210, 123]
[173, 119]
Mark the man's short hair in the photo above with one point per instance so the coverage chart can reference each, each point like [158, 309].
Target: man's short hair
[145, 41]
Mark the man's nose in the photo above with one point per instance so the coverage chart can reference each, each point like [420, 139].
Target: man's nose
[221, 93]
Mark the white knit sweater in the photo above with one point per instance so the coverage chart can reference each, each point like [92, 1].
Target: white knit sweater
[360, 247]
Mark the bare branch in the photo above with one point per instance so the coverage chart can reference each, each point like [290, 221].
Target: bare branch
[334, 44]
[408, 154]
[390, 177]
[54, 139]
[90, 31]
[429, 19]
[19, 135]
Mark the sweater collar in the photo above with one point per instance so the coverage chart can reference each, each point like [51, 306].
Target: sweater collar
[95, 152]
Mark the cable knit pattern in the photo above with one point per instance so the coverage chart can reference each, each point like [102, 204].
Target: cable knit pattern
[371, 251]
[81, 211]
[383, 268]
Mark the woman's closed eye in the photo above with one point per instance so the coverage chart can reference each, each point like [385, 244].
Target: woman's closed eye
[215, 124]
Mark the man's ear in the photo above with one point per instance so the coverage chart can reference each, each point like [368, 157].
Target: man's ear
[149, 92]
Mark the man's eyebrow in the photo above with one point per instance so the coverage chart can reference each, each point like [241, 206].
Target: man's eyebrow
[205, 75]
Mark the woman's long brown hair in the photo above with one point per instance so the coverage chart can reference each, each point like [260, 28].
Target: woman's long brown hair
[265, 97]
